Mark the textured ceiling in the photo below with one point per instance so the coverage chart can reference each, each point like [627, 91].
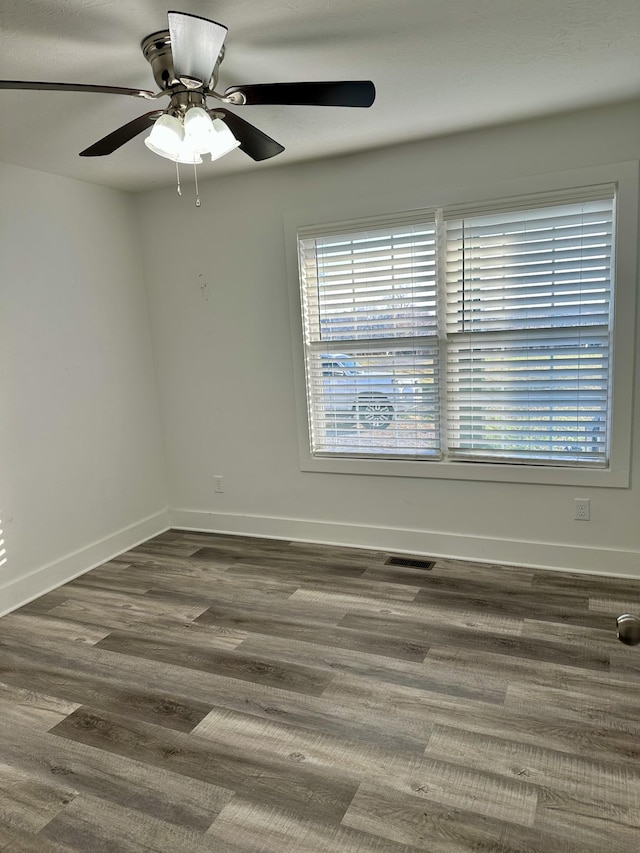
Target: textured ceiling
[439, 66]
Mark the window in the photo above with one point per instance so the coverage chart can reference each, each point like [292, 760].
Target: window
[463, 334]
[3, 550]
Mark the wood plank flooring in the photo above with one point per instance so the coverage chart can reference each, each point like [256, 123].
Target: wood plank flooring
[230, 694]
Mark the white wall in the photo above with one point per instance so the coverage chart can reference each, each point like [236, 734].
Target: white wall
[81, 460]
[222, 337]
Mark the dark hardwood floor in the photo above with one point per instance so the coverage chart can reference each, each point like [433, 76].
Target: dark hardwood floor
[221, 693]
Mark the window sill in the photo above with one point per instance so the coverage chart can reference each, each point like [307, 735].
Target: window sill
[478, 471]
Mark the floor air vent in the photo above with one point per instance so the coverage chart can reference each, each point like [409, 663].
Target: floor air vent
[409, 562]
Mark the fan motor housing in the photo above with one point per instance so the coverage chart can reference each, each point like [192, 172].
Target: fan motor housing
[156, 49]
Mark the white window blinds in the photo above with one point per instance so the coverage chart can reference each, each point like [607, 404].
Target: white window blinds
[371, 284]
[528, 320]
[370, 324]
[485, 338]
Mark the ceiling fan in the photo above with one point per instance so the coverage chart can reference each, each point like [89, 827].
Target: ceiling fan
[185, 60]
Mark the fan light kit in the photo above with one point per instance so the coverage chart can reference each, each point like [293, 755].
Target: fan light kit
[185, 60]
[184, 141]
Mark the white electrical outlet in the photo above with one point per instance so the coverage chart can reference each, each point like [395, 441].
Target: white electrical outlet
[582, 509]
[218, 483]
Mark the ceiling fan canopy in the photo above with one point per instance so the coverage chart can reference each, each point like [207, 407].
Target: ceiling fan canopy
[185, 59]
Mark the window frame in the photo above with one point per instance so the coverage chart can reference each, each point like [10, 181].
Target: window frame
[617, 474]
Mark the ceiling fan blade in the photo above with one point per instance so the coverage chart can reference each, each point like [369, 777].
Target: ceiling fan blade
[195, 45]
[252, 141]
[339, 93]
[74, 87]
[110, 143]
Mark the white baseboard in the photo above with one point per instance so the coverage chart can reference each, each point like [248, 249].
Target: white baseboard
[43, 580]
[538, 555]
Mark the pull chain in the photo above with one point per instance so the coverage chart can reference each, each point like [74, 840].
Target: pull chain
[195, 175]
[178, 178]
